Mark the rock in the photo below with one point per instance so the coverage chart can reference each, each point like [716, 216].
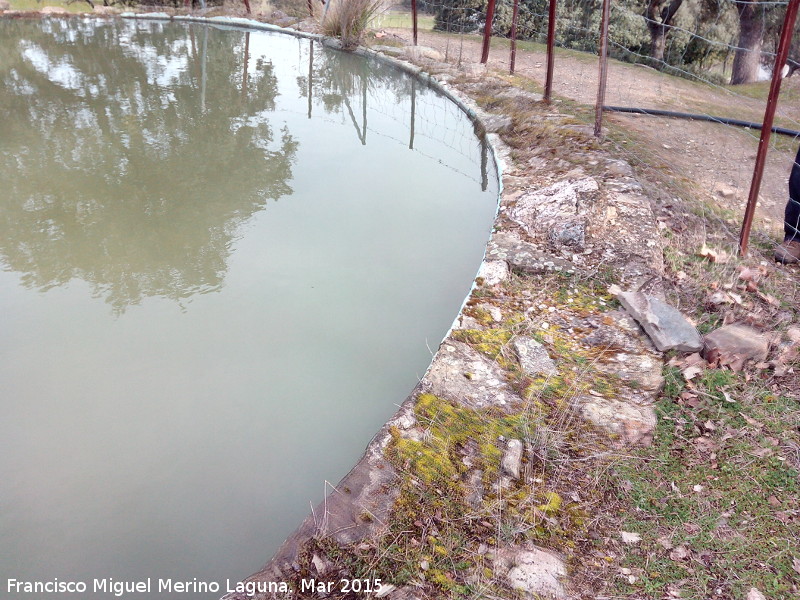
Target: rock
[559, 211]
[755, 594]
[496, 123]
[512, 459]
[390, 50]
[467, 322]
[465, 376]
[473, 69]
[734, 345]
[535, 572]
[423, 52]
[724, 191]
[524, 257]
[494, 312]
[407, 592]
[54, 10]
[474, 483]
[105, 10]
[793, 335]
[619, 168]
[634, 424]
[493, 272]
[569, 234]
[666, 326]
[5, 5]
[533, 357]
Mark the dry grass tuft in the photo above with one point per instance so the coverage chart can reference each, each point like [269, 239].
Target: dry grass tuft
[348, 20]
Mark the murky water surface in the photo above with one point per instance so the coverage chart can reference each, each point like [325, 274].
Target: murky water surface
[225, 257]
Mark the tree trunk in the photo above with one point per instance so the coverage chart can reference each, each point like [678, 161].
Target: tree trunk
[658, 41]
[659, 23]
[747, 60]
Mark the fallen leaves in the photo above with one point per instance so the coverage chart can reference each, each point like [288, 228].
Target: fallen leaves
[629, 537]
[714, 256]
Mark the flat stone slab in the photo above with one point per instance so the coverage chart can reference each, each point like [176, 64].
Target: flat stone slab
[665, 325]
[625, 352]
[633, 423]
[465, 376]
[733, 345]
[535, 572]
[533, 357]
[524, 257]
[423, 52]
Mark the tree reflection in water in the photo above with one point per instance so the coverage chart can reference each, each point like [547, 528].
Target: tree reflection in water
[130, 158]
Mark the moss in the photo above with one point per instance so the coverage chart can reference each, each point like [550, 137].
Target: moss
[486, 341]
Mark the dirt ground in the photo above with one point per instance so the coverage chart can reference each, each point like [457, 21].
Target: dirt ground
[715, 160]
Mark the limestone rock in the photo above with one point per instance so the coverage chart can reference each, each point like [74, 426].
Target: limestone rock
[619, 168]
[54, 10]
[755, 594]
[511, 462]
[4, 5]
[634, 424]
[734, 345]
[725, 191]
[465, 376]
[473, 69]
[423, 52]
[524, 257]
[624, 351]
[558, 211]
[666, 326]
[793, 335]
[390, 50]
[493, 272]
[496, 123]
[533, 357]
[105, 10]
[535, 572]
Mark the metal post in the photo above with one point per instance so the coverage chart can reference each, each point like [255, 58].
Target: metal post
[414, 18]
[246, 61]
[551, 38]
[514, 19]
[310, 76]
[487, 32]
[413, 111]
[766, 129]
[601, 85]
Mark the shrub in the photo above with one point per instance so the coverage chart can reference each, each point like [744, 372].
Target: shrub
[349, 19]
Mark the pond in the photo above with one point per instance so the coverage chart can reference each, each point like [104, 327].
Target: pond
[226, 257]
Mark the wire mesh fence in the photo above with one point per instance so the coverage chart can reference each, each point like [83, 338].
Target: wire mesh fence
[708, 59]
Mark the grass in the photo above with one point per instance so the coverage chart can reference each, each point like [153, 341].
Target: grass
[403, 20]
[31, 5]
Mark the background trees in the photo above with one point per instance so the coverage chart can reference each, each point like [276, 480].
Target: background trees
[722, 40]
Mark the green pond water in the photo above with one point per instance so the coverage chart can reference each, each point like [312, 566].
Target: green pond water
[226, 258]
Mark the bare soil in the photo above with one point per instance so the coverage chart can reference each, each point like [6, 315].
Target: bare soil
[715, 160]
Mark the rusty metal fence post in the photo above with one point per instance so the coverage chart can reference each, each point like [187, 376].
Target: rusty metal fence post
[514, 19]
[603, 75]
[551, 38]
[487, 31]
[414, 19]
[766, 129]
